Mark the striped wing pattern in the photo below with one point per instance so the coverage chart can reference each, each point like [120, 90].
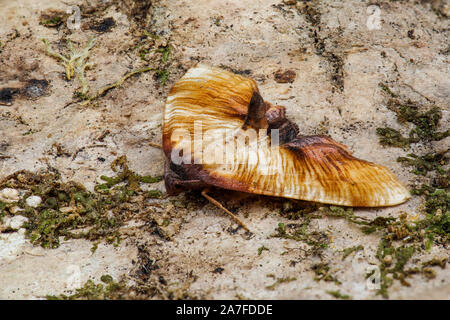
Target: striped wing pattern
[312, 168]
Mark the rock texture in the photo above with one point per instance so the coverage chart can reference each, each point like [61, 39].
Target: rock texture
[334, 56]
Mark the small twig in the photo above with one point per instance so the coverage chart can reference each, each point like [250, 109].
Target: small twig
[217, 204]
[34, 254]
[419, 93]
[116, 84]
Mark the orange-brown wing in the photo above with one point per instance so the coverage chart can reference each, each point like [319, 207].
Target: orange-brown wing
[311, 168]
[210, 97]
[234, 156]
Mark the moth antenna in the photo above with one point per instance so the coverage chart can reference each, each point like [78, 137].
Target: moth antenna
[218, 205]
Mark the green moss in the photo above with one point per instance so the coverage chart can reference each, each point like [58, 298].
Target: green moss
[435, 227]
[426, 123]
[436, 224]
[424, 164]
[142, 288]
[108, 289]
[368, 226]
[143, 54]
[69, 210]
[52, 22]
[261, 249]
[94, 247]
[154, 194]
[162, 76]
[144, 50]
[441, 262]
[3, 211]
[294, 210]
[393, 138]
[402, 255]
[429, 273]
[322, 273]
[386, 89]
[29, 132]
[149, 179]
[301, 232]
[126, 175]
[165, 53]
[279, 281]
[106, 278]
[80, 95]
[339, 295]
[432, 229]
[348, 251]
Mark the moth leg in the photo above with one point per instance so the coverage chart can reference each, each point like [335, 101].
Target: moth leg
[218, 205]
[176, 181]
[175, 186]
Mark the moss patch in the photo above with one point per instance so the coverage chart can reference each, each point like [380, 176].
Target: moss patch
[432, 229]
[368, 226]
[339, 295]
[52, 18]
[425, 123]
[68, 210]
[348, 251]
[261, 249]
[106, 290]
[402, 254]
[426, 163]
[323, 272]
[278, 281]
[301, 232]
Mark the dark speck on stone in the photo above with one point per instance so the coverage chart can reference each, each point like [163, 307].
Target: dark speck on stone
[7, 95]
[162, 280]
[218, 270]
[104, 26]
[36, 88]
[246, 72]
[285, 76]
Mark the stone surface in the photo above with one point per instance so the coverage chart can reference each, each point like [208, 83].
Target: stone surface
[339, 61]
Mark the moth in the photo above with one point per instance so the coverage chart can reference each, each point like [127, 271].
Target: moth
[219, 132]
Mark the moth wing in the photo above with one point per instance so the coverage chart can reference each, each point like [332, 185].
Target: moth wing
[208, 99]
[312, 168]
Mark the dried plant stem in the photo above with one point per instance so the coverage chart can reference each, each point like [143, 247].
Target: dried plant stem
[116, 84]
[76, 63]
[218, 205]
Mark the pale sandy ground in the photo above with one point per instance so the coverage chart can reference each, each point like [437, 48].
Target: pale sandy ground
[260, 36]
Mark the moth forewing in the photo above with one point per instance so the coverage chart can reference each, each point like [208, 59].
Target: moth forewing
[252, 147]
